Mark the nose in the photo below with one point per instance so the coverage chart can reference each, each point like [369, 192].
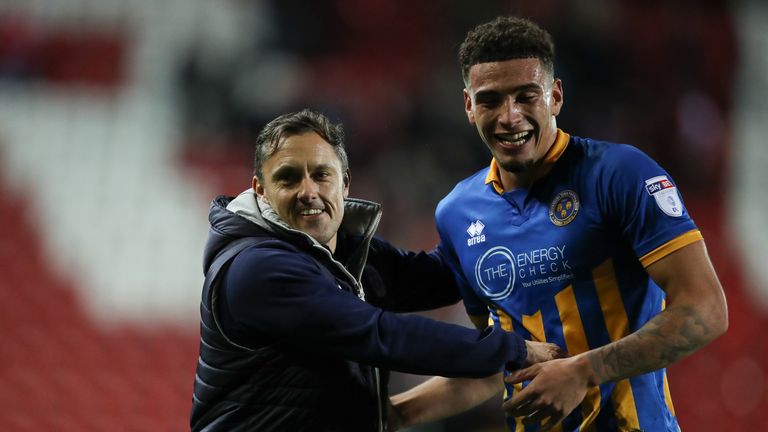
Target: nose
[308, 189]
[510, 114]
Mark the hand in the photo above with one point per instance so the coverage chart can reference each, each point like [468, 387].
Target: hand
[557, 388]
[542, 351]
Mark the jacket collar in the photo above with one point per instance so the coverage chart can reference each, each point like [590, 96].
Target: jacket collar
[361, 219]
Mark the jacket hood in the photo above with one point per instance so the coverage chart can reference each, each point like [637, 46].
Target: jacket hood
[247, 216]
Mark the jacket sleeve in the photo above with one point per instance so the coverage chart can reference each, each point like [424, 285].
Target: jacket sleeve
[403, 281]
[284, 295]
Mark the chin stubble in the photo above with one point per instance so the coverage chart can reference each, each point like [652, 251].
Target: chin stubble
[517, 167]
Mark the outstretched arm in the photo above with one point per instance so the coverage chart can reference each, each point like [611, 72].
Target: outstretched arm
[696, 313]
[270, 293]
[440, 397]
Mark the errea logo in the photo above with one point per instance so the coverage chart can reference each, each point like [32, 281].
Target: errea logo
[475, 232]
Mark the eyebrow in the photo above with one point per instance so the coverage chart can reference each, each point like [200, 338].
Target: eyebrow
[530, 86]
[287, 170]
[284, 171]
[327, 167]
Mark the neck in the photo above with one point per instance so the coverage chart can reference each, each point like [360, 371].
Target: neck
[516, 180]
[332, 244]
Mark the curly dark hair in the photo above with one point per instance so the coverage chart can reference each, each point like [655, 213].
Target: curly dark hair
[272, 135]
[506, 38]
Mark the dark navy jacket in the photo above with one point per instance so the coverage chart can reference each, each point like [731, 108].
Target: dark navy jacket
[287, 342]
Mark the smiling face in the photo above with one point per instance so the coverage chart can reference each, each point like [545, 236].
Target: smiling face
[305, 184]
[513, 104]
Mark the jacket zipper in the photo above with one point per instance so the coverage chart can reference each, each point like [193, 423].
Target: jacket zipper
[378, 398]
[361, 295]
[356, 285]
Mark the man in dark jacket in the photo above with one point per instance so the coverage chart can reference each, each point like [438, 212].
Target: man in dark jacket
[297, 328]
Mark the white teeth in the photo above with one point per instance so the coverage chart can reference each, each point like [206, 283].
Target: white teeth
[308, 212]
[515, 138]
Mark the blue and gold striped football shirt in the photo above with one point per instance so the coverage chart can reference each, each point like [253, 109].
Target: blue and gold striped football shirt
[564, 262]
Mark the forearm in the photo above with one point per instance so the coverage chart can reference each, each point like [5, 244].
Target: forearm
[673, 334]
[696, 313]
[440, 397]
[436, 348]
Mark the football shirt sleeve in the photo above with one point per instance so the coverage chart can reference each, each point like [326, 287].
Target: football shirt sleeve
[643, 202]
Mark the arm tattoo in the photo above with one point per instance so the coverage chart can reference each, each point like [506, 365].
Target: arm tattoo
[669, 336]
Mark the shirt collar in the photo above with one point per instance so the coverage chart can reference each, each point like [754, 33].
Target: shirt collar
[553, 154]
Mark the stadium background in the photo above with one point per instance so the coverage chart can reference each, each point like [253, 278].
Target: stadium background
[120, 120]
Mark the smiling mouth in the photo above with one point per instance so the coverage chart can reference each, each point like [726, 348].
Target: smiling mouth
[310, 212]
[514, 139]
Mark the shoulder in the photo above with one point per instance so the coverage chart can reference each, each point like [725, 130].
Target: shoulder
[379, 244]
[273, 270]
[460, 193]
[270, 257]
[604, 152]
[607, 157]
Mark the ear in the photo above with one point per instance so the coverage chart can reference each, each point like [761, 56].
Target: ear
[557, 96]
[468, 107]
[258, 187]
[346, 179]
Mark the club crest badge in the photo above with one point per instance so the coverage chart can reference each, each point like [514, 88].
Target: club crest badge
[564, 208]
[665, 193]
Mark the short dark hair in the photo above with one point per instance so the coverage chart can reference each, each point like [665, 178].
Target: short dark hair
[272, 135]
[506, 38]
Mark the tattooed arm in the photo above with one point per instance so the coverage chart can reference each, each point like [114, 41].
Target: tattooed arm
[696, 314]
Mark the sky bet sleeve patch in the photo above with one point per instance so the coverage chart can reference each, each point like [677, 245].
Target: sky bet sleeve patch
[665, 193]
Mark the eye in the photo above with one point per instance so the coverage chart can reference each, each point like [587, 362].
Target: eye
[527, 97]
[488, 100]
[322, 175]
[286, 178]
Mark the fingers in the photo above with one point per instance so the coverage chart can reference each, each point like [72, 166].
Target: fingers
[536, 417]
[543, 351]
[532, 413]
[519, 409]
[521, 375]
[550, 423]
[520, 404]
[558, 352]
